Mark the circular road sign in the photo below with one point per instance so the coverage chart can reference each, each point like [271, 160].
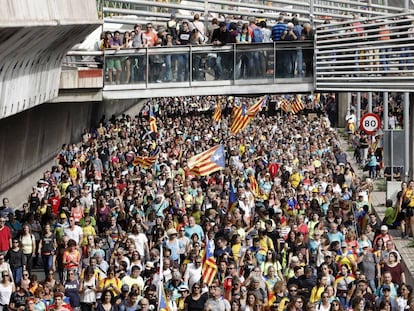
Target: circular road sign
[370, 123]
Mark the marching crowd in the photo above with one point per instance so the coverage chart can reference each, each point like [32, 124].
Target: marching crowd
[286, 224]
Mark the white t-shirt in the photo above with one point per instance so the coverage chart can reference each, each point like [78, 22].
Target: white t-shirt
[140, 241]
[74, 234]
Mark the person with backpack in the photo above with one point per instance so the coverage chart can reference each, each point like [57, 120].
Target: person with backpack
[257, 37]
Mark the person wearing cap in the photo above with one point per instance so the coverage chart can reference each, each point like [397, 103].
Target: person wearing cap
[368, 264]
[387, 297]
[173, 245]
[384, 235]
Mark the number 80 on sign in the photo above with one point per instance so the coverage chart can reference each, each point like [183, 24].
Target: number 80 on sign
[370, 123]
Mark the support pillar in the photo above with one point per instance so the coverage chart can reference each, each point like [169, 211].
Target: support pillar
[344, 102]
[385, 113]
[358, 109]
[369, 107]
[407, 128]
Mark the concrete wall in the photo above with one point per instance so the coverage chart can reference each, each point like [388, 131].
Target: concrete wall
[32, 138]
[35, 37]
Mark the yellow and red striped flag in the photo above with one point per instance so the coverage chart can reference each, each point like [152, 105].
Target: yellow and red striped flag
[254, 186]
[297, 105]
[207, 162]
[153, 121]
[242, 117]
[284, 105]
[146, 162]
[217, 112]
[209, 268]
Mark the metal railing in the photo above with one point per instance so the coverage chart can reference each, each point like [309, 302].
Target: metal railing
[76, 59]
[317, 11]
[366, 54]
[205, 65]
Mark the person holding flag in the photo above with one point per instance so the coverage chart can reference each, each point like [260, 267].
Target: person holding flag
[152, 121]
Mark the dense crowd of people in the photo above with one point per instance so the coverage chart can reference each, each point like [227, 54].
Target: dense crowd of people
[301, 233]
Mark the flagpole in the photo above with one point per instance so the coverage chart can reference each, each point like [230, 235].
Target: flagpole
[161, 284]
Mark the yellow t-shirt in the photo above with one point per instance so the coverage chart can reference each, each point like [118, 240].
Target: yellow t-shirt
[87, 231]
[115, 282]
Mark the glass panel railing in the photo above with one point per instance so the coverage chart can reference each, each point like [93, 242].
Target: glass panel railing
[194, 64]
[253, 62]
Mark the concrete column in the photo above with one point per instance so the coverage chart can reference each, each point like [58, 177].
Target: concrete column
[344, 101]
[385, 110]
[369, 107]
[358, 108]
[407, 128]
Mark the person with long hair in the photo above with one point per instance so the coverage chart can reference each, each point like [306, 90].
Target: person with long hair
[271, 260]
[71, 257]
[106, 303]
[47, 247]
[252, 302]
[7, 287]
[336, 306]
[28, 244]
[405, 295]
[17, 260]
[318, 289]
[247, 263]
[324, 304]
[341, 283]
[196, 300]
[88, 287]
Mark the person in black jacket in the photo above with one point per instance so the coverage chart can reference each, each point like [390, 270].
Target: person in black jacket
[220, 37]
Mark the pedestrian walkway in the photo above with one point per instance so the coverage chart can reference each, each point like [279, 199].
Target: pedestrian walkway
[378, 201]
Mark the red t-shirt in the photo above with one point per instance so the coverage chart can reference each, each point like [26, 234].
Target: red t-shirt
[5, 237]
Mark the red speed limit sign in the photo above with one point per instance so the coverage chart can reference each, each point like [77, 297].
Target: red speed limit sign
[370, 123]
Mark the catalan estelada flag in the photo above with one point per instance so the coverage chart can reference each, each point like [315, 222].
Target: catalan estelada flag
[209, 268]
[254, 186]
[147, 162]
[217, 112]
[232, 197]
[207, 162]
[243, 116]
[253, 110]
[162, 304]
[153, 121]
[297, 105]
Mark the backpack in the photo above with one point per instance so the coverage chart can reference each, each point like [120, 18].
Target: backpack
[257, 35]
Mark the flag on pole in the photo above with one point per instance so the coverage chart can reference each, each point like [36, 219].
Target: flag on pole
[207, 162]
[153, 121]
[317, 98]
[240, 118]
[254, 186]
[297, 105]
[258, 106]
[232, 197]
[147, 162]
[217, 112]
[243, 116]
[209, 269]
[284, 105]
[162, 298]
